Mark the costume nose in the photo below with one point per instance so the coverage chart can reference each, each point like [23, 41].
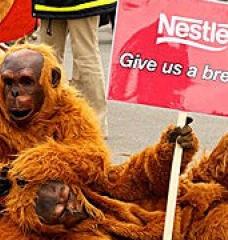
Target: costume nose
[15, 92]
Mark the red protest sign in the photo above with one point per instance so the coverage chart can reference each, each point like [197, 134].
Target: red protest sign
[18, 22]
[171, 54]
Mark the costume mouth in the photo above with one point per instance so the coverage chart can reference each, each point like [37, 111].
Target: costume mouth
[72, 216]
[20, 115]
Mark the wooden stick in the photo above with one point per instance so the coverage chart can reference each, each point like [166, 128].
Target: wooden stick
[173, 184]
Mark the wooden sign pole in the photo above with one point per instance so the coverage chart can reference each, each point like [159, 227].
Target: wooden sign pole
[173, 184]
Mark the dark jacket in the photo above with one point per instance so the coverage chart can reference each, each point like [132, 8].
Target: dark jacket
[71, 9]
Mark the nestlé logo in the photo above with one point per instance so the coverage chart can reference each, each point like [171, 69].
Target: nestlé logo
[197, 33]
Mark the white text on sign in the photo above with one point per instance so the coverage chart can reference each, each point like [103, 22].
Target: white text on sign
[197, 33]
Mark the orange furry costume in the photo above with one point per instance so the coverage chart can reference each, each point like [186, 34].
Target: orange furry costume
[204, 204]
[63, 142]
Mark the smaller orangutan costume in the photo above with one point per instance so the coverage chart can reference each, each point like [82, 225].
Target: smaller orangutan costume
[204, 196]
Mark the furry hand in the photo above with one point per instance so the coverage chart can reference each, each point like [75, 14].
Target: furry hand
[182, 136]
[57, 204]
[201, 195]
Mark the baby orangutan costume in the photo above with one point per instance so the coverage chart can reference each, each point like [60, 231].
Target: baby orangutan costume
[57, 181]
[204, 200]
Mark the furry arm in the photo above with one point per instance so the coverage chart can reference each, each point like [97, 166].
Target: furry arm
[73, 164]
[52, 160]
[149, 169]
[206, 179]
[200, 195]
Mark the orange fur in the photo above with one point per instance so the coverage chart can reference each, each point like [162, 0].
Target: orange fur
[204, 190]
[63, 141]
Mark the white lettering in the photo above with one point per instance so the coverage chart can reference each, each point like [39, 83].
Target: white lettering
[194, 32]
[182, 29]
[164, 24]
[214, 74]
[222, 36]
[128, 60]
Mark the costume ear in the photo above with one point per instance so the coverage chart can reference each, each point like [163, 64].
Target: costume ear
[56, 76]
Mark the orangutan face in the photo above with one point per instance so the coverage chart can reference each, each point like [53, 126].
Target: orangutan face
[23, 94]
[57, 204]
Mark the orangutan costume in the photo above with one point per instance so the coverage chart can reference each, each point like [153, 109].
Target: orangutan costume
[62, 144]
[204, 200]
[51, 146]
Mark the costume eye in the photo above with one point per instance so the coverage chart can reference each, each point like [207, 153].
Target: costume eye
[8, 81]
[26, 81]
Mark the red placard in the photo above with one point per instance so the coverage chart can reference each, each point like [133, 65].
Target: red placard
[18, 22]
[171, 53]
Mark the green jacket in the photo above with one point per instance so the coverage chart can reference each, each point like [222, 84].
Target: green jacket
[71, 9]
